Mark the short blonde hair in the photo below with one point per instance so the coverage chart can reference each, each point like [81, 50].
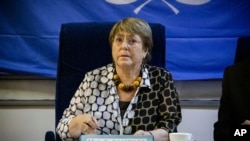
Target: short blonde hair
[135, 26]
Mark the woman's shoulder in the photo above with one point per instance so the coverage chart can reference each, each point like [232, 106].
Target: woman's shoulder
[155, 71]
[102, 70]
[241, 66]
[152, 68]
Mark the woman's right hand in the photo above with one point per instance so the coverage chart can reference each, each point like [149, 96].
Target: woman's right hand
[246, 122]
[84, 123]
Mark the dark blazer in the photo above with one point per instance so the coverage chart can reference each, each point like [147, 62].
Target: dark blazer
[235, 100]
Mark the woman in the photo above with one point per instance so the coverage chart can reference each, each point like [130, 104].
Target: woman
[127, 96]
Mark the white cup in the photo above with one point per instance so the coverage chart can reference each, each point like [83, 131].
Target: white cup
[181, 136]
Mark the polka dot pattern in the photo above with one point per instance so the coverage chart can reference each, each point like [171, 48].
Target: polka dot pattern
[155, 105]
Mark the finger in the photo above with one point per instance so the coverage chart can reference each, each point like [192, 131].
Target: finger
[95, 122]
[91, 123]
[84, 128]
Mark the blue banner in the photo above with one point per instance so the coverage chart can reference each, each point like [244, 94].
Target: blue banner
[201, 35]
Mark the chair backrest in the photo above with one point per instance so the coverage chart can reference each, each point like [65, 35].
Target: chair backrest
[243, 49]
[85, 46]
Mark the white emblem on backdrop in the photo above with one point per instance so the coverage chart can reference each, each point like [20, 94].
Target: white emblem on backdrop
[173, 8]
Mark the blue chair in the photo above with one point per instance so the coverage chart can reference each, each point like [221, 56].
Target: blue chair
[83, 47]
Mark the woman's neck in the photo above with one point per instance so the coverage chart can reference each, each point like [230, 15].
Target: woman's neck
[127, 76]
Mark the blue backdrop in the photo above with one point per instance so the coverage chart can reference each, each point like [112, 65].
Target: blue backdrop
[201, 35]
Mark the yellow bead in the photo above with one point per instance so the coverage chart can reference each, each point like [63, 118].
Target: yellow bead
[138, 79]
[136, 83]
[116, 77]
[121, 86]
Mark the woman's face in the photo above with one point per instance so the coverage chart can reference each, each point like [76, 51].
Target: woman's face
[127, 50]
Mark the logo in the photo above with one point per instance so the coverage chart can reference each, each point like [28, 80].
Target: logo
[240, 133]
[168, 4]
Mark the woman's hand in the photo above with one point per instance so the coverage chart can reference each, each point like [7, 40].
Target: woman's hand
[246, 122]
[142, 132]
[84, 123]
[158, 134]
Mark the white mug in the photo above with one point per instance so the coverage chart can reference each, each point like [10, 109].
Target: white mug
[181, 136]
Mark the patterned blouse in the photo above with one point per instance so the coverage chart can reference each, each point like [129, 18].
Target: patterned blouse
[155, 104]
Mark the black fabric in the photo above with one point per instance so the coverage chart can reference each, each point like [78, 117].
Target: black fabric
[243, 49]
[123, 107]
[234, 104]
[49, 136]
[85, 46]
[234, 101]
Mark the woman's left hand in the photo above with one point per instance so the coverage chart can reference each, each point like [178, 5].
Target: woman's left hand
[142, 132]
[246, 122]
[158, 134]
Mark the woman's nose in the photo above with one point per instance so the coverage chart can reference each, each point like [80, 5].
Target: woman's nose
[125, 44]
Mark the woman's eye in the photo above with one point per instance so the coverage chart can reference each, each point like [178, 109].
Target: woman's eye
[132, 41]
[118, 40]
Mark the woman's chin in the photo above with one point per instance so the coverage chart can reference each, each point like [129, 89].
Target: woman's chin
[124, 64]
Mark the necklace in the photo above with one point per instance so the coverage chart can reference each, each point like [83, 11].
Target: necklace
[124, 87]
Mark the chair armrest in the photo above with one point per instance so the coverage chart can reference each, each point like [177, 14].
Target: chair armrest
[50, 136]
